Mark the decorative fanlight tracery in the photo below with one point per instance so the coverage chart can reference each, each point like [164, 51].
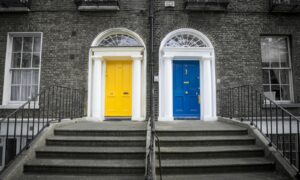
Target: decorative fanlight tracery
[185, 40]
[119, 40]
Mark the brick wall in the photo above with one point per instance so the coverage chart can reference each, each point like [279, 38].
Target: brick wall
[235, 36]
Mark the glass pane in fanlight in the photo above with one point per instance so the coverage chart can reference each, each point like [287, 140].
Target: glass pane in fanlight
[285, 93]
[16, 60]
[284, 75]
[15, 93]
[27, 44]
[16, 77]
[17, 44]
[26, 60]
[37, 44]
[274, 76]
[266, 79]
[275, 91]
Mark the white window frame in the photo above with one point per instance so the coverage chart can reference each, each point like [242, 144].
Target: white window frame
[290, 74]
[6, 99]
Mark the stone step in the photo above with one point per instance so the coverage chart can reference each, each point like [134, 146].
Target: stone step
[96, 141]
[90, 152]
[210, 152]
[227, 132]
[206, 140]
[80, 177]
[71, 166]
[220, 165]
[74, 132]
[228, 176]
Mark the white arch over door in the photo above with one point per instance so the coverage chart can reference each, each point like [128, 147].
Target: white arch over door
[187, 44]
[116, 44]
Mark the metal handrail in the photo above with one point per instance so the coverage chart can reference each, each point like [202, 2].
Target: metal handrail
[247, 103]
[51, 104]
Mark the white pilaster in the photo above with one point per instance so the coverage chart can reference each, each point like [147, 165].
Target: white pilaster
[136, 88]
[207, 90]
[96, 89]
[168, 87]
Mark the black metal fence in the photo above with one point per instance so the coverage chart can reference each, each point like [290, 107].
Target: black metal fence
[280, 127]
[53, 104]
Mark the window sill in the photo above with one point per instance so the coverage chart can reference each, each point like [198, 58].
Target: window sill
[286, 105]
[16, 106]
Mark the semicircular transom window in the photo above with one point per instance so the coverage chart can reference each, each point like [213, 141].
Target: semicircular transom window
[185, 40]
[119, 40]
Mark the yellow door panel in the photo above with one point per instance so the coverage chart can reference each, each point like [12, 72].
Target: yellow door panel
[118, 88]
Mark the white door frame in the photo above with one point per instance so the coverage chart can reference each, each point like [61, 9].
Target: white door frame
[96, 75]
[206, 57]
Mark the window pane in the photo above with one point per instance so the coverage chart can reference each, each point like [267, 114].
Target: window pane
[34, 91]
[37, 44]
[26, 60]
[17, 44]
[27, 44]
[275, 91]
[285, 93]
[25, 93]
[266, 77]
[284, 74]
[15, 93]
[35, 77]
[26, 77]
[284, 59]
[274, 76]
[36, 60]
[16, 60]
[267, 91]
[16, 77]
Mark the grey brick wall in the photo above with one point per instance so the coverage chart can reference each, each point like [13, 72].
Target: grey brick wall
[235, 35]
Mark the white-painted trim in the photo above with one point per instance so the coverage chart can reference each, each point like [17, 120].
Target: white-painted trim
[118, 53]
[6, 103]
[206, 57]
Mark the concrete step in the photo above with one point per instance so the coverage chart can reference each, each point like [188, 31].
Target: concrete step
[74, 132]
[211, 152]
[96, 141]
[228, 132]
[220, 165]
[71, 166]
[80, 177]
[206, 140]
[228, 176]
[90, 152]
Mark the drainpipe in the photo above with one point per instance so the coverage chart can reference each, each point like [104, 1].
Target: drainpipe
[151, 63]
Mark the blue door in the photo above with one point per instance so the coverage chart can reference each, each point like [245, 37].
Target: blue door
[186, 90]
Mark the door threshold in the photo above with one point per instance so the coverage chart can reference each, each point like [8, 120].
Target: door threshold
[117, 118]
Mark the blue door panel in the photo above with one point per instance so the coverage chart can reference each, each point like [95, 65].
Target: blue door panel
[186, 89]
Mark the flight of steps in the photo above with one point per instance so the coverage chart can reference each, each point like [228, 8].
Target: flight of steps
[107, 150]
[213, 151]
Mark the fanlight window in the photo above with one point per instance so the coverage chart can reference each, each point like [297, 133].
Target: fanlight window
[185, 40]
[117, 40]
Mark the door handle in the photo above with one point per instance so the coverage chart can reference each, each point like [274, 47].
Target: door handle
[199, 99]
[125, 93]
[186, 92]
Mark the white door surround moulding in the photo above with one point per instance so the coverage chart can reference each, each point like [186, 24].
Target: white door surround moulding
[98, 56]
[206, 58]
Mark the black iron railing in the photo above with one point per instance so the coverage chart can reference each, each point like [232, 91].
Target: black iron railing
[151, 153]
[279, 126]
[51, 105]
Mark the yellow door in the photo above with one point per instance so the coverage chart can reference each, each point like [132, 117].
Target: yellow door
[118, 88]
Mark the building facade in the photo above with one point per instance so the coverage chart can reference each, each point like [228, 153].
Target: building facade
[198, 48]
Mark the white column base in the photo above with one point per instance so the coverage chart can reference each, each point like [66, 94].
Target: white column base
[210, 118]
[138, 119]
